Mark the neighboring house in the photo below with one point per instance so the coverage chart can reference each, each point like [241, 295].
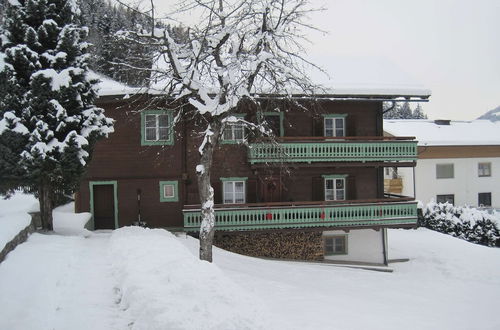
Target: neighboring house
[458, 161]
[315, 194]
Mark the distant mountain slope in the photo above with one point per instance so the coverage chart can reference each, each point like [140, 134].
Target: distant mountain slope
[493, 115]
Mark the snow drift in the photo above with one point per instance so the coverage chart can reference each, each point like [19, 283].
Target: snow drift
[163, 286]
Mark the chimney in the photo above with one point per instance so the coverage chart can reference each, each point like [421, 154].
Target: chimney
[442, 122]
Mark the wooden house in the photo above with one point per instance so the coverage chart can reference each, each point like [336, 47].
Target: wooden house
[318, 193]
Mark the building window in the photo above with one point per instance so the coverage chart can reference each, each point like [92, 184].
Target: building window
[484, 169]
[334, 125]
[156, 127]
[445, 199]
[484, 199]
[234, 132]
[234, 190]
[445, 171]
[274, 121]
[335, 244]
[169, 191]
[334, 188]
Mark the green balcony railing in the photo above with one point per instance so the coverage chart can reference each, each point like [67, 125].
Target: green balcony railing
[333, 151]
[307, 216]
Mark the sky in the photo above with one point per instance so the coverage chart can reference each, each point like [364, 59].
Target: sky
[451, 47]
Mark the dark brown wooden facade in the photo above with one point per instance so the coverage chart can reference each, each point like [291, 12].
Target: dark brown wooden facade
[133, 169]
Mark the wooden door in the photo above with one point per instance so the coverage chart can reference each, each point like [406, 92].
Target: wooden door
[104, 206]
[271, 189]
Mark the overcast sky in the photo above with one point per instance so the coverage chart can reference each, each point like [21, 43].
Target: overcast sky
[450, 46]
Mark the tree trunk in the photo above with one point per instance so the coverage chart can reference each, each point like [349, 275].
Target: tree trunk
[206, 192]
[46, 205]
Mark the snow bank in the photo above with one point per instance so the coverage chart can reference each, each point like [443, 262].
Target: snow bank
[164, 286]
[66, 222]
[14, 216]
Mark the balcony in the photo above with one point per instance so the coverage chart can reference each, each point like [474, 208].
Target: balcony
[334, 149]
[388, 212]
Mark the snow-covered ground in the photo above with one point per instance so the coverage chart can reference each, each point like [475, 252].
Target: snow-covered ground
[14, 215]
[136, 278]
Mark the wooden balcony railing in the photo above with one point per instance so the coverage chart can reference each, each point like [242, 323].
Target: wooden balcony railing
[335, 149]
[380, 212]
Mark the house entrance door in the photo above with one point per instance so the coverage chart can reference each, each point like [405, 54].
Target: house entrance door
[271, 189]
[104, 206]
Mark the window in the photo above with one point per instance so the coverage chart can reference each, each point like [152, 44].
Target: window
[169, 191]
[156, 127]
[274, 122]
[445, 199]
[484, 169]
[334, 188]
[334, 125]
[234, 132]
[335, 244]
[484, 199]
[234, 190]
[444, 171]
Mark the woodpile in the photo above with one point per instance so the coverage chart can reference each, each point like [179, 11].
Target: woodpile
[283, 245]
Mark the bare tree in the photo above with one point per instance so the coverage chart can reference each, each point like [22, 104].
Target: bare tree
[238, 51]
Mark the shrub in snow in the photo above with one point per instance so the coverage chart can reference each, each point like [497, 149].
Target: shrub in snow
[48, 122]
[471, 224]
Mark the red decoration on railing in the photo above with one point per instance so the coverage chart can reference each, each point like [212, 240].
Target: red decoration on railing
[269, 216]
[323, 215]
[380, 212]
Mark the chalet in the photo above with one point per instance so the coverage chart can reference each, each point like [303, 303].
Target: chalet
[458, 161]
[316, 194]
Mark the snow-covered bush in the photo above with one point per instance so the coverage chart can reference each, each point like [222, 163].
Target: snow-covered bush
[471, 224]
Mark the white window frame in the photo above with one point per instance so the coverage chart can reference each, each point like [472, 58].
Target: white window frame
[233, 192]
[484, 169]
[334, 239]
[157, 127]
[335, 190]
[447, 177]
[334, 126]
[232, 128]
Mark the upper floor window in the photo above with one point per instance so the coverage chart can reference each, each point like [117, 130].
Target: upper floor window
[234, 190]
[445, 171]
[446, 199]
[234, 131]
[334, 125]
[484, 199]
[156, 127]
[274, 121]
[335, 187]
[484, 169]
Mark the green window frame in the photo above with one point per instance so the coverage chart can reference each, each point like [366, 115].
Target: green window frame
[335, 245]
[230, 195]
[169, 191]
[232, 130]
[151, 121]
[281, 118]
[334, 125]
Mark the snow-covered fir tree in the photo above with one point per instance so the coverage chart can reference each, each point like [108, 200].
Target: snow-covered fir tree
[396, 110]
[236, 50]
[48, 120]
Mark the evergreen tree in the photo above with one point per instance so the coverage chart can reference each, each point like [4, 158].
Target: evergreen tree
[402, 111]
[48, 122]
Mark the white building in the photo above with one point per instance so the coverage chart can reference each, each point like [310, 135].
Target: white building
[458, 161]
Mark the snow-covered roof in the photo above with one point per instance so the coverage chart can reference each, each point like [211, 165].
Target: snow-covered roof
[346, 76]
[110, 87]
[457, 133]
[366, 76]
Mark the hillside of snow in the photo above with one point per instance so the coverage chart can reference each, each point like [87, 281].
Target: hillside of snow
[493, 115]
[135, 278]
